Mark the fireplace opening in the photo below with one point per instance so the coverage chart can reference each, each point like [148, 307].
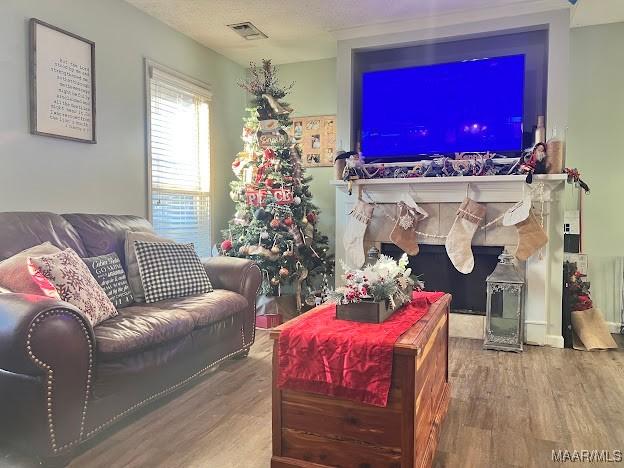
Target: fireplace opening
[435, 269]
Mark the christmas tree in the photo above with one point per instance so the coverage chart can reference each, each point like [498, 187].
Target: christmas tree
[275, 219]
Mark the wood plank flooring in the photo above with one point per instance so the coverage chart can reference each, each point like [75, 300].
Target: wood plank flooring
[506, 410]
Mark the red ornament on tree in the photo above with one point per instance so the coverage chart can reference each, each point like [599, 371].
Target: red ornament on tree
[275, 222]
[311, 217]
[288, 221]
[269, 154]
[226, 245]
[269, 182]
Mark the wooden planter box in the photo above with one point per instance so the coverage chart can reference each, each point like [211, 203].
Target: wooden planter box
[368, 311]
[311, 430]
[365, 311]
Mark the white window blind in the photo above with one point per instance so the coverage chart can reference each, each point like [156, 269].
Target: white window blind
[179, 150]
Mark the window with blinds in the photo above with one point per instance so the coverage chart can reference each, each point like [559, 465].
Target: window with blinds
[179, 151]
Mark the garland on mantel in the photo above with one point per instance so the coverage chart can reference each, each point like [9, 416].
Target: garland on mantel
[473, 165]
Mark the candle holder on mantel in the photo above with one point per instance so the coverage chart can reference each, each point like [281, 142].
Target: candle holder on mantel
[504, 315]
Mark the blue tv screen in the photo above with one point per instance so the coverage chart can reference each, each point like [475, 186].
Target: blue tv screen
[468, 106]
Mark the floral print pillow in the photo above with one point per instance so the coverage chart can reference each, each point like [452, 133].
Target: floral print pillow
[66, 277]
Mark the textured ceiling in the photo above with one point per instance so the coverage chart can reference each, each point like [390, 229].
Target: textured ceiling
[306, 30]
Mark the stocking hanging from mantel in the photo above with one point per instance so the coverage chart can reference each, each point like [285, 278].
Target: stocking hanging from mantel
[531, 237]
[458, 242]
[353, 239]
[404, 234]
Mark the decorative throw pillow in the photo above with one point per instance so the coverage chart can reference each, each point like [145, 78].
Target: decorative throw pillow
[14, 274]
[66, 277]
[108, 272]
[132, 267]
[170, 270]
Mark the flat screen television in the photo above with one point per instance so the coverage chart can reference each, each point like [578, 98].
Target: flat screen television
[468, 106]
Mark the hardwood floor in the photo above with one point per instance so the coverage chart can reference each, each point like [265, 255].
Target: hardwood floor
[506, 410]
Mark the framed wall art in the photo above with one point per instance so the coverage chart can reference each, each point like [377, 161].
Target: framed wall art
[317, 137]
[62, 83]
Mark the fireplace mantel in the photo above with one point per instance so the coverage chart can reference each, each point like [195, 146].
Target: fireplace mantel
[543, 272]
[502, 189]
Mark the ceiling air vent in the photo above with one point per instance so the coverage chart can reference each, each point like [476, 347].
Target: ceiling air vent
[247, 31]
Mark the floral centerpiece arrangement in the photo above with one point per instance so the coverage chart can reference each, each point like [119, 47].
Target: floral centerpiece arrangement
[387, 280]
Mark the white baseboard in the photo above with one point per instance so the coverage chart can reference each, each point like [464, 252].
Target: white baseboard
[614, 327]
[555, 341]
[472, 326]
[535, 332]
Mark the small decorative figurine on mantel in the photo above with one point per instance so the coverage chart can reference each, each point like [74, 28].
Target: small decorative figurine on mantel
[354, 168]
[533, 162]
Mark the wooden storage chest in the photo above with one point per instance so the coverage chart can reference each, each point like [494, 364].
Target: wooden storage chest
[315, 431]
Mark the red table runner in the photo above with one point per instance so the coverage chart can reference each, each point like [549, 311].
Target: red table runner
[321, 354]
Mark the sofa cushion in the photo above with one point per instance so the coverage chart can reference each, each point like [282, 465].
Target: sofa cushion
[132, 266]
[110, 275]
[20, 231]
[142, 326]
[207, 309]
[170, 270]
[66, 277]
[103, 234]
[14, 273]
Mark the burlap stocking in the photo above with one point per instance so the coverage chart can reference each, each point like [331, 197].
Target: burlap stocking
[353, 239]
[531, 237]
[469, 216]
[403, 234]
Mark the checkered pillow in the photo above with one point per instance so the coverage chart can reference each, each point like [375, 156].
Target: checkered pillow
[170, 270]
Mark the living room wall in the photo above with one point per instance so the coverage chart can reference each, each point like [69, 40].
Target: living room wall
[314, 93]
[594, 145]
[47, 174]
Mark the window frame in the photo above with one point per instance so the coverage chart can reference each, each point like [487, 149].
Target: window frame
[192, 85]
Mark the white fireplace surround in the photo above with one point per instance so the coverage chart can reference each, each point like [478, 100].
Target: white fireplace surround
[440, 197]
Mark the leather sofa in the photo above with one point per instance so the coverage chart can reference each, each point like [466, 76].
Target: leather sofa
[63, 381]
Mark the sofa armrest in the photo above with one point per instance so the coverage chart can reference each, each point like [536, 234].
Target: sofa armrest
[241, 276]
[53, 342]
